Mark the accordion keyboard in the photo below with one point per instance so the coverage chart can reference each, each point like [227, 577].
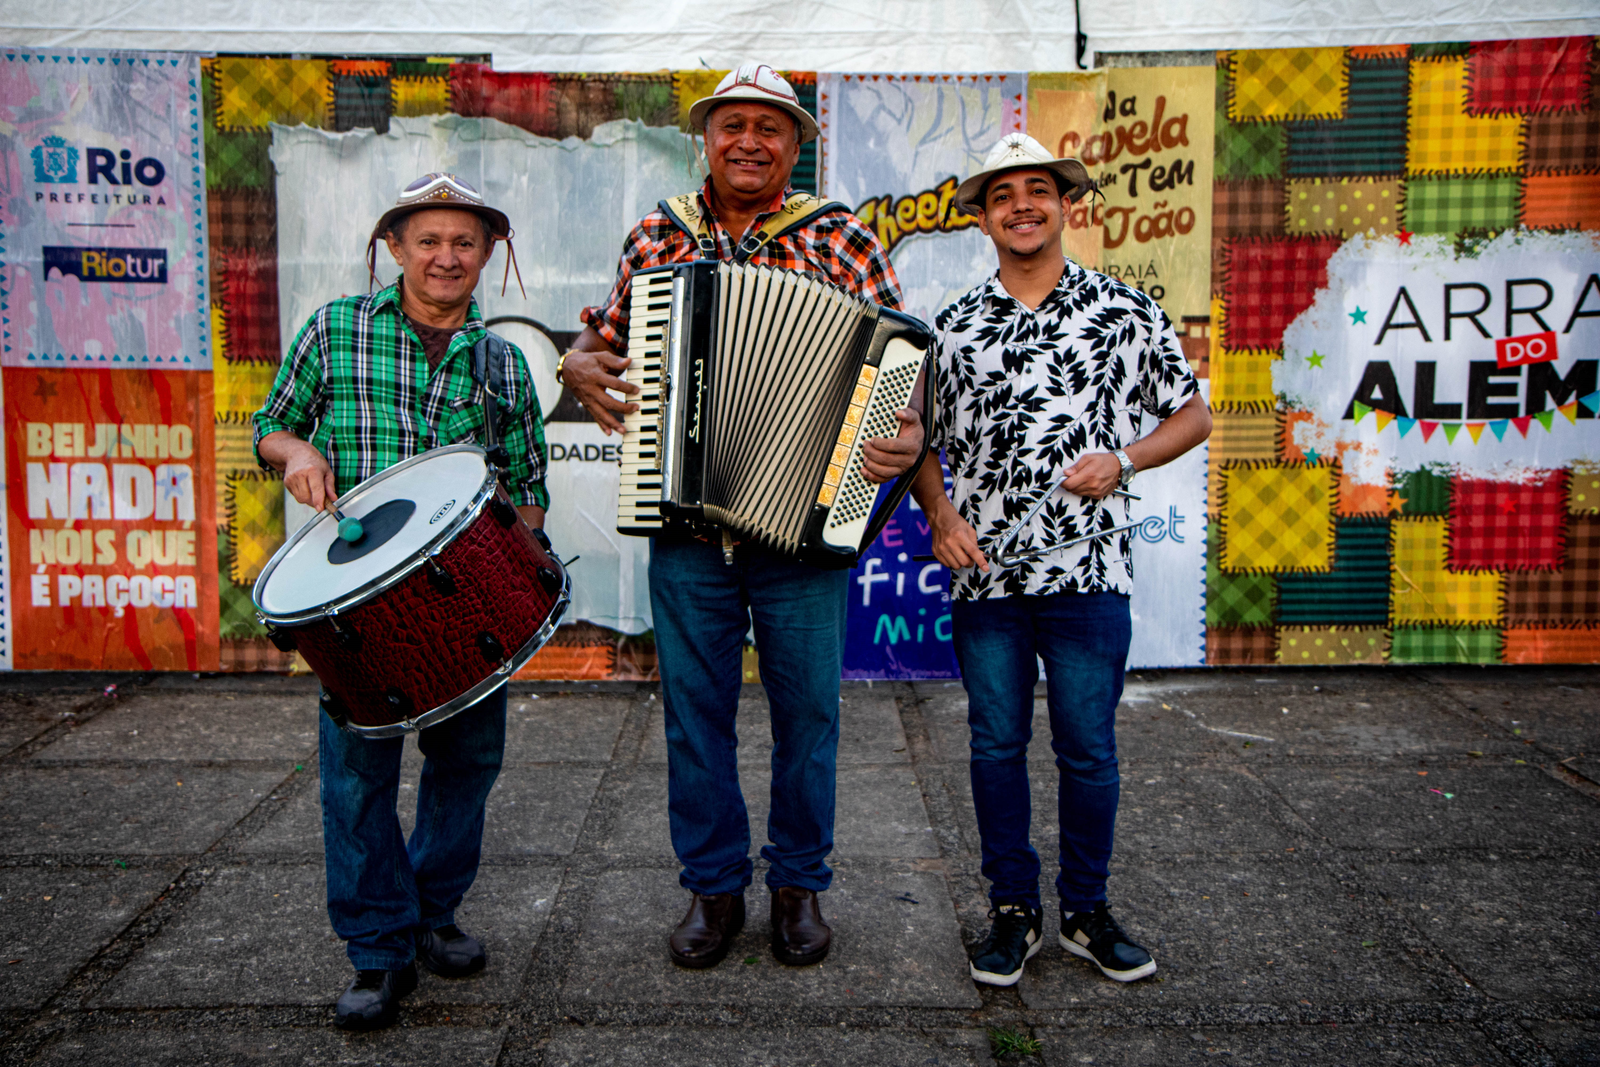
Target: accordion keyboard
[649, 309]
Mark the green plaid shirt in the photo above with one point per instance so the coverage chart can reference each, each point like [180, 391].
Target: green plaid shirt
[356, 385]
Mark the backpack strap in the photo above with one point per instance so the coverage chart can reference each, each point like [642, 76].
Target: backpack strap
[489, 370]
[799, 209]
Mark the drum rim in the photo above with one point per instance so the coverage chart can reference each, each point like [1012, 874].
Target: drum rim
[501, 675]
[401, 570]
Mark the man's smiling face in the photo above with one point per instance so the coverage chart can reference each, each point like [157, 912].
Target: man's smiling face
[751, 148]
[1023, 211]
[441, 251]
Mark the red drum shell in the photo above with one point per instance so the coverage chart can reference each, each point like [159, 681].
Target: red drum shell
[416, 647]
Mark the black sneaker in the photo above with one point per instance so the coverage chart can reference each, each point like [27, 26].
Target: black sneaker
[1096, 937]
[1013, 939]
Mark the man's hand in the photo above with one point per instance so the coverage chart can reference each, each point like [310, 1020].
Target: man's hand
[886, 458]
[590, 369]
[1093, 476]
[955, 543]
[306, 473]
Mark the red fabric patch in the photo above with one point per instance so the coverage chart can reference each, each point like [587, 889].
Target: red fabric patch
[1509, 526]
[1270, 282]
[1528, 77]
[250, 301]
[524, 100]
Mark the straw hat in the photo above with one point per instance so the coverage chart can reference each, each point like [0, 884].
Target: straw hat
[1015, 151]
[762, 84]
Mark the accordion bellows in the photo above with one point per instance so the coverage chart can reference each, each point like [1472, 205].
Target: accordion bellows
[758, 389]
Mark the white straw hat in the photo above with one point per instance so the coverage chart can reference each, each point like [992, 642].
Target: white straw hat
[761, 84]
[1013, 152]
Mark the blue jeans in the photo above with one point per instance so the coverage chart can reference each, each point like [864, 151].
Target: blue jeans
[381, 888]
[703, 609]
[1083, 639]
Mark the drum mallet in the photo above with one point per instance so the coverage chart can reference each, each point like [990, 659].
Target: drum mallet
[349, 529]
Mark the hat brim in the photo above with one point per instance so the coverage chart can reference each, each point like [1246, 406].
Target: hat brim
[499, 224]
[1074, 177]
[809, 130]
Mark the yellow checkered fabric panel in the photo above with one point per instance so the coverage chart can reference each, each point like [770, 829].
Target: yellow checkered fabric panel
[253, 92]
[1328, 645]
[689, 86]
[419, 96]
[1583, 491]
[241, 387]
[232, 441]
[1277, 518]
[1243, 377]
[255, 523]
[219, 333]
[1243, 435]
[1423, 590]
[1344, 206]
[1274, 84]
[1443, 138]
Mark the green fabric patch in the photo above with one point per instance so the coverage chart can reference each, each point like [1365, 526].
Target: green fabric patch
[361, 102]
[1235, 599]
[1425, 492]
[1245, 150]
[1355, 592]
[412, 68]
[1448, 205]
[1441, 50]
[1445, 644]
[649, 102]
[237, 612]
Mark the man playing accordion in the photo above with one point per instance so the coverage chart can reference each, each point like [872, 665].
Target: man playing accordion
[706, 589]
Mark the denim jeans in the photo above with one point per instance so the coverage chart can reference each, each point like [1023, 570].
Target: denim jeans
[1083, 639]
[703, 608]
[381, 888]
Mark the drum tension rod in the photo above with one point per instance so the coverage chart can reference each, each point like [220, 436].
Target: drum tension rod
[441, 578]
[348, 639]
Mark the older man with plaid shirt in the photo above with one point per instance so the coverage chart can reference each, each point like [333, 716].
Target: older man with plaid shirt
[368, 382]
[706, 590]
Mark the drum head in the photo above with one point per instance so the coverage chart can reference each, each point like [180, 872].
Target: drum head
[403, 508]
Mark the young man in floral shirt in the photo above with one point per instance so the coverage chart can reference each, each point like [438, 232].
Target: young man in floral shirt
[1044, 373]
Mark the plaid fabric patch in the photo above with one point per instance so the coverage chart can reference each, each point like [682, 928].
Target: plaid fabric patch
[1571, 594]
[1360, 498]
[1529, 76]
[422, 68]
[1444, 644]
[1235, 645]
[582, 102]
[250, 302]
[520, 99]
[1273, 84]
[361, 102]
[249, 655]
[1235, 599]
[1270, 282]
[238, 160]
[1422, 589]
[219, 327]
[1449, 205]
[1577, 644]
[560, 662]
[252, 92]
[649, 98]
[1309, 646]
[1508, 526]
[1277, 518]
[1378, 51]
[242, 218]
[1370, 139]
[1564, 141]
[1441, 50]
[1443, 138]
[1423, 492]
[689, 86]
[1355, 591]
[254, 500]
[232, 450]
[241, 387]
[1243, 435]
[360, 68]
[1344, 206]
[1570, 200]
[236, 614]
[1251, 207]
[414, 96]
[1244, 150]
[1583, 489]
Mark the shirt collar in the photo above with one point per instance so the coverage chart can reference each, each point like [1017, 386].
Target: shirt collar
[772, 208]
[996, 293]
[389, 297]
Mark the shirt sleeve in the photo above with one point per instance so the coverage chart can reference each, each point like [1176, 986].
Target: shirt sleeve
[296, 398]
[523, 435]
[1166, 380]
[610, 317]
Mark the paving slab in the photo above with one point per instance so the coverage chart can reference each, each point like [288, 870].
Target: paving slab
[878, 813]
[1519, 929]
[24, 716]
[1350, 724]
[1411, 1045]
[1559, 708]
[128, 810]
[741, 1047]
[260, 935]
[870, 730]
[1569, 1044]
[207, 1046]
[53, 919]
[887, 950]
[1232, 932]
[195, 726]
[551, 728]
[1492, 803]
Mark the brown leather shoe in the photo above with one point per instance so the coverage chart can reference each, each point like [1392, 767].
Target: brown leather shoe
[707, 932]
[799, 936]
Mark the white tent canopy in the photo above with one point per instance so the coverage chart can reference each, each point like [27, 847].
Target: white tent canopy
[883, 35]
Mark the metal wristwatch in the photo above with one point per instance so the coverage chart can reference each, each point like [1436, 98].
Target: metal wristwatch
[1127, 468]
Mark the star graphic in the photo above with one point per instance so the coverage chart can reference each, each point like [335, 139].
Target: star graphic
[1312, 456]
[1315, 359]
[1404, 235]
[1397, 502]
[44, 388]
[1508, 506]
[1357, 316]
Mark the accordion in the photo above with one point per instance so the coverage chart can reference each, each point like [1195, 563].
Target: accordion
[758, 389]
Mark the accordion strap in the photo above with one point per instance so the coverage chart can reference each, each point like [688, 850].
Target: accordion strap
[799, 209]
[489, 369]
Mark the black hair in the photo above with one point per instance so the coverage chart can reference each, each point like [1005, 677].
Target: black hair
[397, 228]
[1055, 179]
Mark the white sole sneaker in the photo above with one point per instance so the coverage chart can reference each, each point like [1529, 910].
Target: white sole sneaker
[1142, 971]
[988, 978]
